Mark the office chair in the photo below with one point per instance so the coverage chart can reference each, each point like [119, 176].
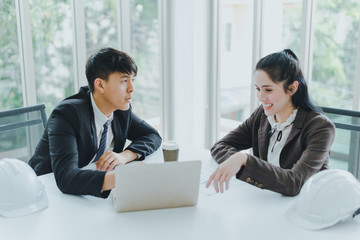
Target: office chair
[345, 151]
[21, 130]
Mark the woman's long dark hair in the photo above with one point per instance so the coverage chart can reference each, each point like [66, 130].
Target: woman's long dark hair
[284, 67]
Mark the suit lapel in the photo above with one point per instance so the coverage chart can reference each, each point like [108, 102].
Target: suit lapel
[297, 126]
[264, 136]
[92, 127]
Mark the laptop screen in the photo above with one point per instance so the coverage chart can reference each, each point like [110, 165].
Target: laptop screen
[144, 186]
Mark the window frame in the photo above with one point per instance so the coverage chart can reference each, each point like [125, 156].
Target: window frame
[306, 61]
[79, 50]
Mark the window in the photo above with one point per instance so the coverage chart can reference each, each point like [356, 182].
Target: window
[331, 45]
[51, 26]
[101, 19]
[236, 41]
[100, 25]
[228, 37]
[345, 150]
[292, 25]
[145, 50]
[11, 95]
[336, 42]
[280, 28]
[333, 79]
[282, 21]
[56, 49]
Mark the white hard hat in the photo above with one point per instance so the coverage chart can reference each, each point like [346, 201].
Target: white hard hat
[21, 192]
[326, 198]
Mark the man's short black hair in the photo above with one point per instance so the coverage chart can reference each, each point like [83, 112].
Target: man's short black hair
[107, 61]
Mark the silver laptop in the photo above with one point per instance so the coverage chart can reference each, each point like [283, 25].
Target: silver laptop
[143, 186]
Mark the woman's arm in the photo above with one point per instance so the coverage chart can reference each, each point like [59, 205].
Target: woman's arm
[302, 157]
[240, 138]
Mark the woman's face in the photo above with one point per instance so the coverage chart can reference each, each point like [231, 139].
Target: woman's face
[273, 97]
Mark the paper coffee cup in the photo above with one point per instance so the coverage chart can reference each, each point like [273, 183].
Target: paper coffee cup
[170, 151]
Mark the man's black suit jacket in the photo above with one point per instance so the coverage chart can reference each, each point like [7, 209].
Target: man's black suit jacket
[69, 143]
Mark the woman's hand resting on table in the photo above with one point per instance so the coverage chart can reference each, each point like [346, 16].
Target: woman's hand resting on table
[226, 170]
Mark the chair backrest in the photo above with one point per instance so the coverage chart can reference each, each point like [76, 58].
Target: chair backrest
[345, 151]
[21, 130]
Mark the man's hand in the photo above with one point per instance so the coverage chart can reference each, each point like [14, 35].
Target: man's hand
[109, 160]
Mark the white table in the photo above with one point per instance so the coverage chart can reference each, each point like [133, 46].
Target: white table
[243, 212]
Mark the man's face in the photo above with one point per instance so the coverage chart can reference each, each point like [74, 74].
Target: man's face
[118, 91]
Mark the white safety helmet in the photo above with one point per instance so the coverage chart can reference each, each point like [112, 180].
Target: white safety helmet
[21, 192]
[328, 197]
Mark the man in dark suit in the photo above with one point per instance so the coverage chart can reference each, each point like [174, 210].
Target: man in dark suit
[93, 126]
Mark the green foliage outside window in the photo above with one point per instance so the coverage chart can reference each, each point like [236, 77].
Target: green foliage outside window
[335, 50]
[10, 74]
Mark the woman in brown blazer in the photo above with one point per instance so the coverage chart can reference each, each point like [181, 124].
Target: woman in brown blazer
[289, 137]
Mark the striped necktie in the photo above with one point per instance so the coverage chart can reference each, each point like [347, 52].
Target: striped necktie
[102, 144]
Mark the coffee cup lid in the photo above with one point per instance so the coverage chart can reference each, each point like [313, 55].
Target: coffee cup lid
[170, 145]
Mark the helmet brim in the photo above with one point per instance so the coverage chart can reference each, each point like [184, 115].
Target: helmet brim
[293, 216]
[29, 209]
